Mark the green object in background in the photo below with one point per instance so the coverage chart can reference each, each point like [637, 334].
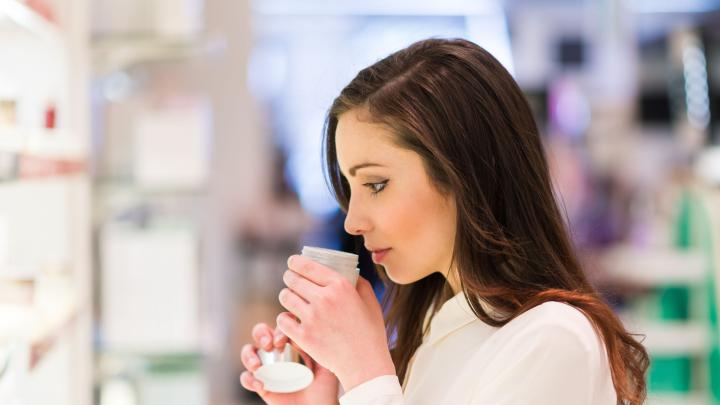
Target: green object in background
[714, 373]
[677, 374]
[709, 236]
[674, 303]
[669, 374]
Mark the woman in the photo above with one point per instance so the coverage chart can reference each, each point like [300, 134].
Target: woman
[434, 155]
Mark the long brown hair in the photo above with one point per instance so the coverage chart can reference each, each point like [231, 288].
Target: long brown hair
[455, 105]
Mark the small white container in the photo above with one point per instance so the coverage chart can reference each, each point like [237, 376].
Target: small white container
[342, 262]
[282, 371]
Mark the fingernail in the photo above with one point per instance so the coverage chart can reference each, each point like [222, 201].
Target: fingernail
[291, 259]
[253, 362]
[257, 385]
[264, 341]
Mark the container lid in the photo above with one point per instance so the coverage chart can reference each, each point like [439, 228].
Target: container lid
[284, 377]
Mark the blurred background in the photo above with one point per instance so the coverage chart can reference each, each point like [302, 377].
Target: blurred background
[160, 160]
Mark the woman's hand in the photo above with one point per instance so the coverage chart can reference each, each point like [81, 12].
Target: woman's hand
[323, 390]
[340, 326]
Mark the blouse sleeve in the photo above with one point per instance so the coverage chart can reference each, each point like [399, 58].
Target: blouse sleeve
[383, 390]
[552, 365]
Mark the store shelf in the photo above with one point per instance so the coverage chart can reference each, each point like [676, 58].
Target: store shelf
[16, 15]
[45, 317]
[113, 53]
[42, 143]
[677, 399]
[675, 338]
[40, 324]
[650, 267]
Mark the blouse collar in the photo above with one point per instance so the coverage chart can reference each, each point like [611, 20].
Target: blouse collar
[454, 314]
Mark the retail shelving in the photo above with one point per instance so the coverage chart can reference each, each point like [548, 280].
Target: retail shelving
[112, 53]
[675, 298]
[43, 142]
[45, 278]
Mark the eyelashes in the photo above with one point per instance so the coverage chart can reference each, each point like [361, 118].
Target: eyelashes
[376, 188]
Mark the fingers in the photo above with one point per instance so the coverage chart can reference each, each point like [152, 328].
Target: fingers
[293, 303]
[280, 339]
[251, 383]
[311, 270]
[263, 336]
[303, 287]
[249, 358]
[291, 328]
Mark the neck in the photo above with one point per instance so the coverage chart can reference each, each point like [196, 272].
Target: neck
[453, 280]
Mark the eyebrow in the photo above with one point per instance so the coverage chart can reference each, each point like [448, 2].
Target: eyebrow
[361, 166]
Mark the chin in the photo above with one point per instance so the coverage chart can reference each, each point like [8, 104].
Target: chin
[398, 277]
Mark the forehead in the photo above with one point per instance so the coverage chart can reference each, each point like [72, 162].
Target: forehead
[358, 139]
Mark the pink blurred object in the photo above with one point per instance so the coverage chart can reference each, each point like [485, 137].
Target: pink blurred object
[43, 8]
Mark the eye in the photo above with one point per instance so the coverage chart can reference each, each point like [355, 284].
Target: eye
[376, 187]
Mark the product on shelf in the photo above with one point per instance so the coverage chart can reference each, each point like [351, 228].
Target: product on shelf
[50, 116]
[8, 102]
[38, 166]
[8, 166]
[8, 112]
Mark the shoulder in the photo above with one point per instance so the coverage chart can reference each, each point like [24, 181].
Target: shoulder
[551, 347]
[556, 324]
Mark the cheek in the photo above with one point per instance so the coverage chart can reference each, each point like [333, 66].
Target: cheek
[413, 230]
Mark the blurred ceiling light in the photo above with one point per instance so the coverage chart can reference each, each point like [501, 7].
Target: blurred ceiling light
[697, 98]
[376, 7]
[267, 70]
[117, 86]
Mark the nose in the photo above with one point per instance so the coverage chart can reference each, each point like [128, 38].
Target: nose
[356, 223]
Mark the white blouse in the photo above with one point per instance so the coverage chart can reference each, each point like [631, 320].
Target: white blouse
[551, 354]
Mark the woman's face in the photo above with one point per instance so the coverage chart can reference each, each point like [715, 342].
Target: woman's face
[393, 205]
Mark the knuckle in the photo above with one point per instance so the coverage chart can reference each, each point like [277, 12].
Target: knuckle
[310, 315]
[282, 318]
[334, 292]
[246, 380]
[259, 329]
[307, 267]
[323, 299]
[246, 349]
[286, 297]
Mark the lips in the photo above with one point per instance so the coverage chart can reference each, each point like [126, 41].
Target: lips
[379, 255]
